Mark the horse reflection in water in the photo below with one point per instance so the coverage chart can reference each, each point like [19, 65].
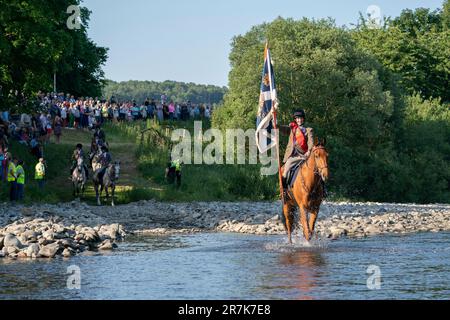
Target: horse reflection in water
[306, 264]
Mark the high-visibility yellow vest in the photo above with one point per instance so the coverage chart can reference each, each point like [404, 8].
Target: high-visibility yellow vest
[20, 174]
[11, 172]
[177, 165]
[40, 171]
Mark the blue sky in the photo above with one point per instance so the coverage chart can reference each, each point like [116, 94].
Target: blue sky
[190, 40]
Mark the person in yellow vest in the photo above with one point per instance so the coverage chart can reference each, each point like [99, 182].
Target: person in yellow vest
[12, 179]
[20, 175]
[39, 174]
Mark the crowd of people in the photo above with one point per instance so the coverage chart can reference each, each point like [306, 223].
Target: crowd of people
[11, 167]
[90, 112]
[57, 111]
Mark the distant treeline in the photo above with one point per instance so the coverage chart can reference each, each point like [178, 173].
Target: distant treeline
[175, 91]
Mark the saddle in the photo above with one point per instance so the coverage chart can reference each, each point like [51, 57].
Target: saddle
[292, 174]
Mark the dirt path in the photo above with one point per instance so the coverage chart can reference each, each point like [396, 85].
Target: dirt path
[125, 152]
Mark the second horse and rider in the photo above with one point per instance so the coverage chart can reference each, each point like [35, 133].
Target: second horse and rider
[105, 173]
[99, 150]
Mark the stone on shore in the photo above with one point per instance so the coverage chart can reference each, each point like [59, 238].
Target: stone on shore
[50, 250]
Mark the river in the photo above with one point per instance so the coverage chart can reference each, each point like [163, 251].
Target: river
[239, 266]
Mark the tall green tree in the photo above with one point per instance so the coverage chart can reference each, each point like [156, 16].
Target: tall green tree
[347, 94]
[416, 46]
[384, 144]
[35, 42]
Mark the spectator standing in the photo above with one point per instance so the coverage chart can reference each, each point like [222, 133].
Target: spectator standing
[77, 116]
[57, 126]
[39, 175]
[20, 178]
[171, 110]
[159, 113]
[12, 179]
[64, 114]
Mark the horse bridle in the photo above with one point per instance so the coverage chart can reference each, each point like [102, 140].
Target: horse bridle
[317, 169]
[113, 167]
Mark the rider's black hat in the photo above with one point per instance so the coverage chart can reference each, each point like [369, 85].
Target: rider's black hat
[300, 113]
[79, 146]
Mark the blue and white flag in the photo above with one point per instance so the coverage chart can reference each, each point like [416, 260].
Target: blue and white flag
[267, 98]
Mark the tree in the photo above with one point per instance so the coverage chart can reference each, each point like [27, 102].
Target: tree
[35, 42]
[347, 94]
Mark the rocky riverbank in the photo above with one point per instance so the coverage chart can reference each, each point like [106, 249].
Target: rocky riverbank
[74, 227]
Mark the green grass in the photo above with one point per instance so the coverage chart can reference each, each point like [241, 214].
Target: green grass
[199, 182]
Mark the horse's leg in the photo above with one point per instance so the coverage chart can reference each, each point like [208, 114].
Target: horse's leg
[97, 195]
[100, 193]
[312, 221]
[107, 192]
[287, 209]
[304, 222]
[113, 187]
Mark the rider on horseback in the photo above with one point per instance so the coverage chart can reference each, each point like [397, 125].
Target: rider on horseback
[105, 161]
[301, 142]
[99, 133]
[78, 153]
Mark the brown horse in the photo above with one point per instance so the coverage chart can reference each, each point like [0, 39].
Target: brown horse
[307, 193]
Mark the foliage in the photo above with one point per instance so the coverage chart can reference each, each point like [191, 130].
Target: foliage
[414, 45]
[382, 142]
[35, 42]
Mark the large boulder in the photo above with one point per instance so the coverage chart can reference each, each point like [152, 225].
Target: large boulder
[30, 235]
[49, 235]
[33, 250]
[50, 250]
[11, 240]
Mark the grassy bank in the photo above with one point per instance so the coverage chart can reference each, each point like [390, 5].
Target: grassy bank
[199, 182]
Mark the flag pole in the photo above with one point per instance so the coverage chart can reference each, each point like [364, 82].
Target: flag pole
[275, 125]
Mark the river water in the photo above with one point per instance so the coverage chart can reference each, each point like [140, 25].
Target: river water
[236, 266]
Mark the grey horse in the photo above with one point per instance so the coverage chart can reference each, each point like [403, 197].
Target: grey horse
[106, 180]
[79, 178]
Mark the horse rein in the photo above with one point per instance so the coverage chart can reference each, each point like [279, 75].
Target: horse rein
[316, 171]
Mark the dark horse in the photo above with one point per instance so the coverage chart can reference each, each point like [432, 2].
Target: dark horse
[307, 193]
[106, 180]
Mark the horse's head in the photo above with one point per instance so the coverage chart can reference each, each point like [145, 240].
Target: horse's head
[80, 164]
[320, 155]
[116, 169]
